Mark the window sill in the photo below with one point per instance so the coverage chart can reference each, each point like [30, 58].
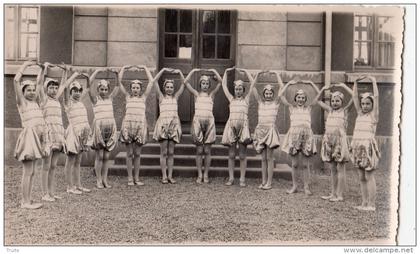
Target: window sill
[380, 77]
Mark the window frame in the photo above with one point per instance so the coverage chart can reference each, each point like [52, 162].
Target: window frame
[17, 26]
[375, 47]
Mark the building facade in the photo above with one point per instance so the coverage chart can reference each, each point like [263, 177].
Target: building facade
[323, 45]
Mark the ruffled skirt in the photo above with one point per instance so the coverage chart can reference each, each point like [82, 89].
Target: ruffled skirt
[134, 132]
[335, 147]
[77, 140]
[33, 143]
[168, 128]
[104, 135]
[266, 136]
[365, 153]
[236, 131]
[56, 136]
[203, 130]
[299, 139]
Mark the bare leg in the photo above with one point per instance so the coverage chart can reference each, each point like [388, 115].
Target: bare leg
[306, 174]
[98, 168]
[69, 168]
[46, 165]
[27, 175]
[263, 167]
[371, 190]
[333, 179]
[199, 162]
[163, 159]
[51, 176]
[137, 152]
[242, 164]
[363, 188]
[77, 174]
[207, 161]
[129, 160]
[295, 164]
[270, 168]
[105, 167]
[341, 171]
[171, 150]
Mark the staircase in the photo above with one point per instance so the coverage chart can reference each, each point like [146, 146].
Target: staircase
[185, 164]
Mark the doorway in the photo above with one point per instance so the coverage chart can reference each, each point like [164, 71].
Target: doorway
[192, 38]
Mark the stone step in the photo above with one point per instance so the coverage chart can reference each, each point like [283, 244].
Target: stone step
[280, 171]
[188, 160]
[218, 150]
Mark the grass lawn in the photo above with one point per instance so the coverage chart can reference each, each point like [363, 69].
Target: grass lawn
[187, 213]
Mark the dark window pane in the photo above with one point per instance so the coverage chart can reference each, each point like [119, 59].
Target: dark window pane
[362, 53]
[208, 46]
[171, 45]
[185, 46]
[363, 28]
[223, 47]
[223, 22]
[209, 21]
[186, 21]
[171, 20]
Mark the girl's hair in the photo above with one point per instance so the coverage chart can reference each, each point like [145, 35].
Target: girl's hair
[75, 86]
[366, 96]
[239, 83]
[103, 82]
[27, 83]
[49, 81]
[301, 92]
[204, 78]
[136, 81]
[338, 94]
[267, 87]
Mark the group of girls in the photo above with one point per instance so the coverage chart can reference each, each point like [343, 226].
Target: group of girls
[44, 137]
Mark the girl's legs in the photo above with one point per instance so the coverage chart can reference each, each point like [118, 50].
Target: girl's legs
[46, 165]
[333, 177]
[306, 174]
[341, 173]
[163, 159]
[105, 169]
[171, 150]
[270, 168]
[207, 161]
[27, 175]
[129, 160]
[263, 168]
[295, 164]
[199, 162]
[137, 152]
[51, 176]
[77, 163]
[69, 168]
[371, 190]
[242, 164]
[98, 168]
[363, 188]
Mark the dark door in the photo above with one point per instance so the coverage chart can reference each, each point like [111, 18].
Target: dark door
[197, 39]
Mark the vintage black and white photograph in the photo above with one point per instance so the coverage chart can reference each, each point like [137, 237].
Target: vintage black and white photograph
[134, 125]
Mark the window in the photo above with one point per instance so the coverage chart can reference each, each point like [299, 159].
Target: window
[22, 32]
[374, 42]
[217, 34]
[178, 34]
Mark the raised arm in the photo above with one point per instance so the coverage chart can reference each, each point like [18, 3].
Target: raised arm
[117, 86]
[219, 83]
[322, 104]
[224, 85]
[120, 78]
[40, 84]
[314, 100]
[356, 97]
[254, 90]
[92, 88]
[283, 89]
[149, 79]
[18, 79]
[187, 82]
[350, 103]
[62, 81]
[155, 83]
[181, 88]
[67, 85]
[375, 97]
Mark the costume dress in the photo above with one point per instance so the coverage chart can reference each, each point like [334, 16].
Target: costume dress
[237, 126]
[54, 120]
[104, 131]
[203, 128]
[77, 133]
[134, 125]
[266, 133]
[168, 125]
[334, 142]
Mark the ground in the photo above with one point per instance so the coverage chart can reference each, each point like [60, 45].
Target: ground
[188, 213]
